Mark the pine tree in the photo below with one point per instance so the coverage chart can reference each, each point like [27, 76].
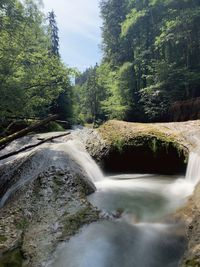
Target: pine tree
[54, 34]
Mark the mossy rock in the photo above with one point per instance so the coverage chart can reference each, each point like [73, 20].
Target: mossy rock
[74, 222]
[135, 147]
[192, 263]
[12, 259]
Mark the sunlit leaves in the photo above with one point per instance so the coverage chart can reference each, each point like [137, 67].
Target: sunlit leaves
[158, 48]
[131, 20]
[30, 78]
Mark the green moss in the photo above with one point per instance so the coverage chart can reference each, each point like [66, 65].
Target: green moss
[154, 142]
[119, 134]
[3, 238]
[12, 259]
[22, 224]
[154, 145]
[119, 144]
[74, 222]
[193, 263]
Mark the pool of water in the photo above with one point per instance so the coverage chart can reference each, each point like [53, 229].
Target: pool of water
[137, 238]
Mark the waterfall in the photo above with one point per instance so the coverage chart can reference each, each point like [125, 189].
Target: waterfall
[77, 151]
[193, 169]
[40, 159]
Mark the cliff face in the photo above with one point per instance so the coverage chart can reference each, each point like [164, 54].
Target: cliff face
[185, 110]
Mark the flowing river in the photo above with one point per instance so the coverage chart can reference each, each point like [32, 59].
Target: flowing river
[138, 234]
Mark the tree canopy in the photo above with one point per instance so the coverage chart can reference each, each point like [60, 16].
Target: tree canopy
[151, 57]
[151, 60]
[31, 76]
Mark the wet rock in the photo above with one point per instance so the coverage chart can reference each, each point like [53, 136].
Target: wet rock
[50, 204]
[114, 137]
[191, 216]
[47, 204]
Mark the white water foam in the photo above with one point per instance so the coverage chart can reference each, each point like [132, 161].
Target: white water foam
[53, 154]
[76, 150]
[185, 187]
[193, 169]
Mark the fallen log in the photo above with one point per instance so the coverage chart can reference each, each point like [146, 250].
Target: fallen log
[13, 127]
[32, 146]
[4, 141]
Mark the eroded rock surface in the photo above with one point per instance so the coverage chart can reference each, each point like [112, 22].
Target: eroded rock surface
[185, 136]
[190, 214]
[44, 190]
[43, 199]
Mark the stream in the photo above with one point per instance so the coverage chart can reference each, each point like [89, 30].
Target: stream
[138, 234]
[136, 229]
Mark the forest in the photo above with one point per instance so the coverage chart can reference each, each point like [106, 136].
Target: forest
[150, 63]
[91, 172]
[34, 82]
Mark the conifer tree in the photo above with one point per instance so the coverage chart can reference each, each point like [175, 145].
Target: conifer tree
[54, 34]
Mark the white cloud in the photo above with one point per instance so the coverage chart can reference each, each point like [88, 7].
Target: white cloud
[79, 30]
[77, 16]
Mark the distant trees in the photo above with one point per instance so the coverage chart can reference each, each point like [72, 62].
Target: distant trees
[87, 96]
[151, 59]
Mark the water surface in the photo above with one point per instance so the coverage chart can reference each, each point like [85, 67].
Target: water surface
[137, 238]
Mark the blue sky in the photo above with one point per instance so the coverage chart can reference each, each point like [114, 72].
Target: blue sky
[79, 30]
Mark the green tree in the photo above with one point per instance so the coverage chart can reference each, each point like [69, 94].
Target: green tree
[54, 34]
[88, 95]
[30, 78]
[113, 13]
[152, 46]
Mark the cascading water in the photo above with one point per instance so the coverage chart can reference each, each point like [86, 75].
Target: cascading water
[136, 203]
[193, 169]
[76, 149]
[38, 160]
[135, 237]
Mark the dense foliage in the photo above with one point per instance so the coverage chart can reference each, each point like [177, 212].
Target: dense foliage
[151, 60]
[32, 75]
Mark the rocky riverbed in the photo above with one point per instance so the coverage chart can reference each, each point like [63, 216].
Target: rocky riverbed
[44, 190]
[184, 136]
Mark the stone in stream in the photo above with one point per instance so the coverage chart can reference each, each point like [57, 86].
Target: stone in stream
[43, 198]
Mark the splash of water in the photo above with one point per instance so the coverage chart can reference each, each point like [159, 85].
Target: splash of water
[56, 154]
[193, 169]
[76, 150]
[142, 199]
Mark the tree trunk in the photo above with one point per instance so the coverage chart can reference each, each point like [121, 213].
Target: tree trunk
[32, 146]
[25, 131]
